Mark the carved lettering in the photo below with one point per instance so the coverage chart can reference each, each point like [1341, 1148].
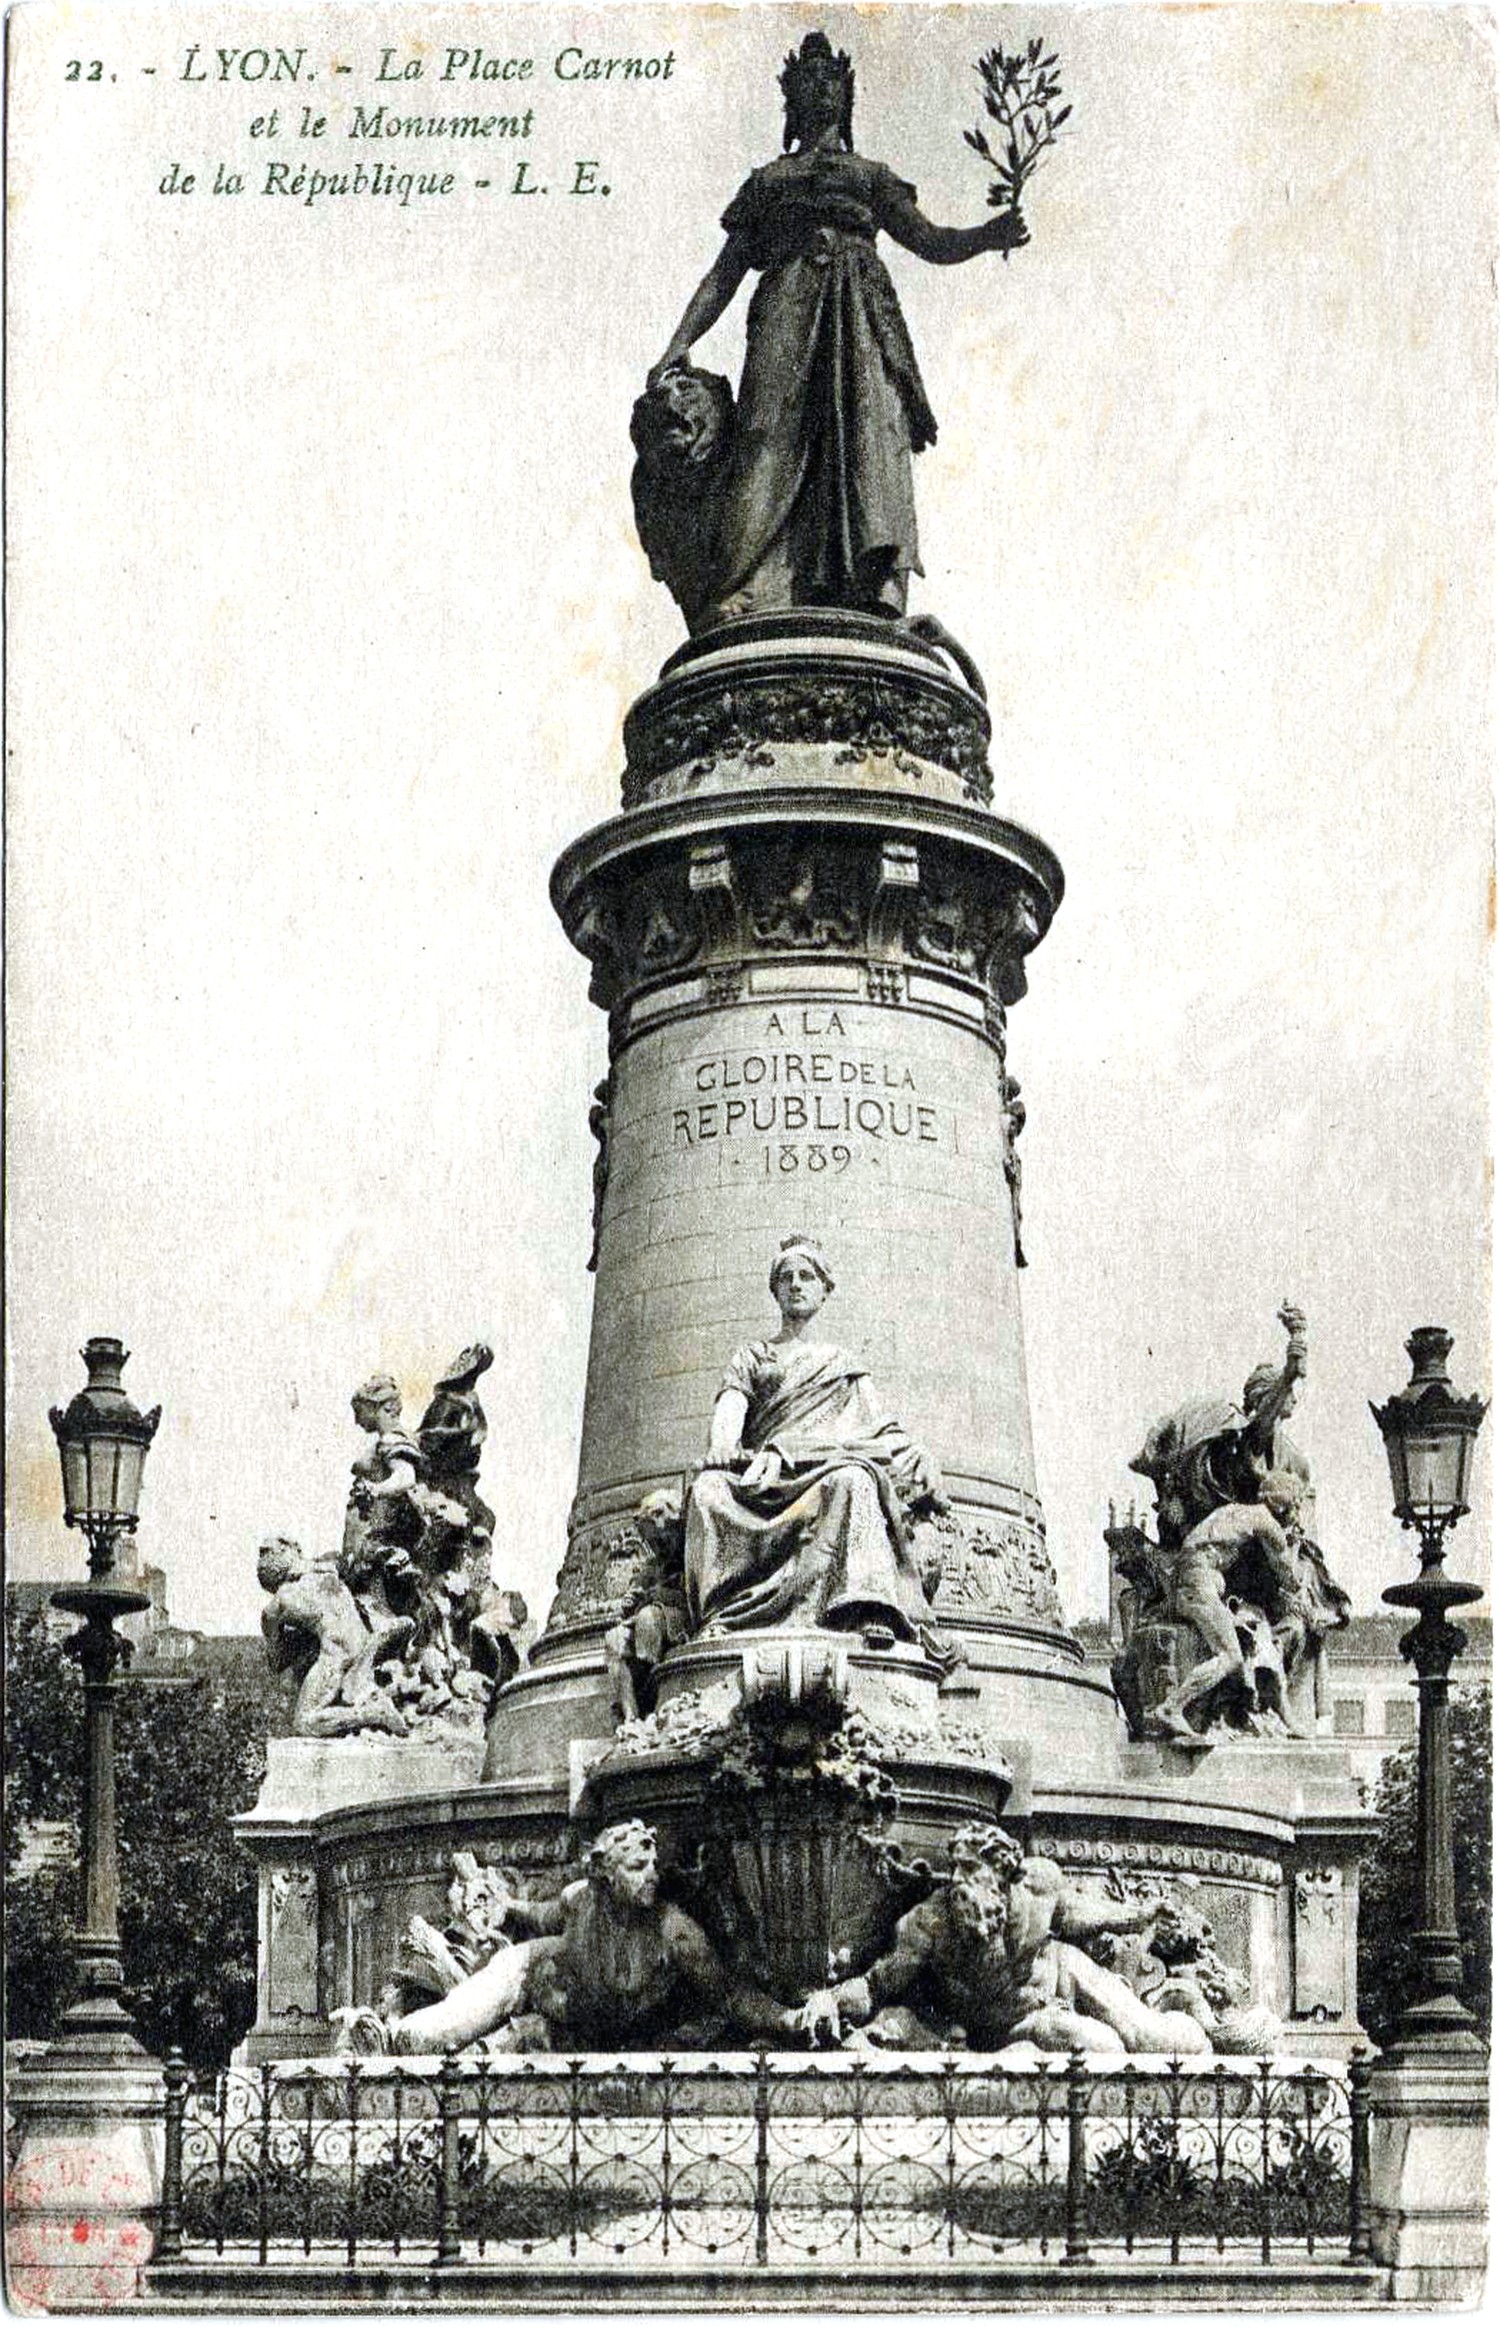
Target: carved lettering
[761, 1093]
[801, 1068]
[790, 1111]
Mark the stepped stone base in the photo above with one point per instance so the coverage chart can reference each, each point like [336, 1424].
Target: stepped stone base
[82, 2198]
[1194, 2284]
[1429, 2142]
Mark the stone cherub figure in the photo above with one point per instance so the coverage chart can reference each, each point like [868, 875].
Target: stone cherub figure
[996, 1957]
[384, 1519]
[802, 494]
[1191, 1976]
[654, 1619]
[1227, 1609]
[315, 1627]
[609, 1962]
[801, 1512]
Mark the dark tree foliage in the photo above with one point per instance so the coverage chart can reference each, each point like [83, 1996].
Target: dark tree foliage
[1390, 1892]
[187, 1758]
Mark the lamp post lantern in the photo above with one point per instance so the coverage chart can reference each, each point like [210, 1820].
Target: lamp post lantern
[84, 2190]
[1429, 1438]
[102, 1441]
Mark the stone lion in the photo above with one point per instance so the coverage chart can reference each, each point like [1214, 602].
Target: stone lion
[682, 429]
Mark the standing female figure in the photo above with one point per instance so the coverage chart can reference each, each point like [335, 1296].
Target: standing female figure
[818, 503]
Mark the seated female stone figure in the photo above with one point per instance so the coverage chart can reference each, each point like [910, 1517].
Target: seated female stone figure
[799, 1515]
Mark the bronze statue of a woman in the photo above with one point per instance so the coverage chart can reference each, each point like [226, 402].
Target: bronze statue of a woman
[812, 503]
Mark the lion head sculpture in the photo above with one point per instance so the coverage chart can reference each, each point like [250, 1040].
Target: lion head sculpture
[682, 430]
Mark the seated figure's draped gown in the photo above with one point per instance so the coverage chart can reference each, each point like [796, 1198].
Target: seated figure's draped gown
[826, 1543]
[831, 405]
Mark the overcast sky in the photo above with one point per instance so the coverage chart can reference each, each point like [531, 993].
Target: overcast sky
[326, 609]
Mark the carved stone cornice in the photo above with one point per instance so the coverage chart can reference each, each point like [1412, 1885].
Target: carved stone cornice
[1093, 1857]
[711, 887]
[400, 1861]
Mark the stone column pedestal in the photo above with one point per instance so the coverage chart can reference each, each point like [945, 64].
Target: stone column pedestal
[1429, 2132]
[83, 2195]
[319, 1943]
[807, 929]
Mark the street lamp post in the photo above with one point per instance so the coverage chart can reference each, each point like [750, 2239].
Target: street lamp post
[102, 1442]
[84, 2189]
[1429, 1438]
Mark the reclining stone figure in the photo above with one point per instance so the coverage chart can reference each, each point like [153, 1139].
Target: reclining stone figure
[609, 1963]
[996, 1955]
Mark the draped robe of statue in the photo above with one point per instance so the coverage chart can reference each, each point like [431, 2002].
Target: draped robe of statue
[831, 404]
[826, 1541]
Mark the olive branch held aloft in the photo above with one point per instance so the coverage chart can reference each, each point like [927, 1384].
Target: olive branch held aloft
[1020, 93]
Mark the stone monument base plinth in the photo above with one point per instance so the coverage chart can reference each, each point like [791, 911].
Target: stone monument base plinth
[1429, 2135]
[83, 2195]
[352, 1837]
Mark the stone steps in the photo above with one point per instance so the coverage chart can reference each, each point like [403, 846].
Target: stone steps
[1244, 2283]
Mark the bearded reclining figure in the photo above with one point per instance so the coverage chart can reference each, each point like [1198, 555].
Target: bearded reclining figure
[997, 1953]
[608, 1961]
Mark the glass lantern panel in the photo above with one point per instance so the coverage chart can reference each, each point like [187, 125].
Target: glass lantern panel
[132, 1460]
[113, 1477]
[1434, 1470]
[101, 1461]
[75, 1471]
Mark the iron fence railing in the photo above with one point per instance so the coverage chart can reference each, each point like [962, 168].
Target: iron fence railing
[752, 2161]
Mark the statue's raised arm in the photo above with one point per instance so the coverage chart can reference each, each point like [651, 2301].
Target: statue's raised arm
[800, 493]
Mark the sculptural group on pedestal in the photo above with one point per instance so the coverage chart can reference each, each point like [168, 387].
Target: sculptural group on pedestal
[998, 1954]
[1226, 1610]
[404, 1632]
[788, 1913]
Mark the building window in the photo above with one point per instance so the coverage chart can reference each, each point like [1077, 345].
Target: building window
[1400, 1717]
[1348, 1717]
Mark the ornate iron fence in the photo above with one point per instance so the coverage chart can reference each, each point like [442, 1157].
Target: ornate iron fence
[750, 2161]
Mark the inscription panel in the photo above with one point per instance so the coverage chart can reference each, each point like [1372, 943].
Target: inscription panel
[815, 1103]
[877, 1129]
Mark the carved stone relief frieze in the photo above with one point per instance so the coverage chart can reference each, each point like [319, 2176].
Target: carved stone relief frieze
[603, 1564]
[803, 900]
[989, 1567]
[865, 719]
